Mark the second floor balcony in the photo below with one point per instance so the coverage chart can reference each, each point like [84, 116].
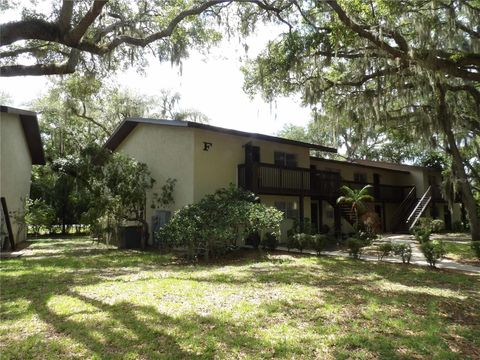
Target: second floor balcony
[271, 179]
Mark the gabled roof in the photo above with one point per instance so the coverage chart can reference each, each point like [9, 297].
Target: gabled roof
[127, 125]
[364, 164]
[29, 122]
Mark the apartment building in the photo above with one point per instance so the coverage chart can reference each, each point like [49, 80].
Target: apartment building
[203, 158]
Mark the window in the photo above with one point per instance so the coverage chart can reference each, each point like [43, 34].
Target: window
[285, 159]
[360, 177]
[289, 209]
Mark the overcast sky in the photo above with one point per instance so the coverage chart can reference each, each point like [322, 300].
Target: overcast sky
[209, 83]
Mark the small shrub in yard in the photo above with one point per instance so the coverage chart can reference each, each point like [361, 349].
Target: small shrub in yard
[422, 234]
[291, 238]
[384, 250]
[366, 237]
[476, 248]
[404, 251]
[270, 241]
[319, 241]
[458, 226]
[432, 225]
[302, 241]
[355, 246]
[437, 225]
[433, 251]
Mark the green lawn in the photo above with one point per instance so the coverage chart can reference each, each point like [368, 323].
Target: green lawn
[75, 299]
[460, 252]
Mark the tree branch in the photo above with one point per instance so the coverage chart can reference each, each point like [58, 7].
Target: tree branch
[65, 17]
[83, 115]
[31, 29]
[74, 36]
[394, 52]
[20, 51]
[43, 69]
[426, 60]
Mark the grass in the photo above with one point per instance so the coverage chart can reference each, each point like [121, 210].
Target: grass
[461, 252]
[74, 299]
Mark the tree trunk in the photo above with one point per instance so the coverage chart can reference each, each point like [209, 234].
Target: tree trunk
[467, 194]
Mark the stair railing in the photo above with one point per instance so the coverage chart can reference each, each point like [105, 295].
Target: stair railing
[420, 205]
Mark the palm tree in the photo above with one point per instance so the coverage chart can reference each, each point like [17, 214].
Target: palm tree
[357, 199]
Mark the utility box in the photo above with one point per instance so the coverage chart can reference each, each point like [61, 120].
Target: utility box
[131, 237]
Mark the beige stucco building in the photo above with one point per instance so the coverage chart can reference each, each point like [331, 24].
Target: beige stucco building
[20, 148]
[204, 158]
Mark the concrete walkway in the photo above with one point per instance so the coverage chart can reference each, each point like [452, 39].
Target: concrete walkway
[417, 256]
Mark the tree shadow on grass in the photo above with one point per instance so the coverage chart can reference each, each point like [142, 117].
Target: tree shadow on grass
[409, 322]
[126, 330]
[364, 323]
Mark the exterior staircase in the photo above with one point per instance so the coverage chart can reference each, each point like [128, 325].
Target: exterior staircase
[419, 208]
[347, 213]
[410, 210]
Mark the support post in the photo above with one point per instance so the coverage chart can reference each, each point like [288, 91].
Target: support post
[302, 213]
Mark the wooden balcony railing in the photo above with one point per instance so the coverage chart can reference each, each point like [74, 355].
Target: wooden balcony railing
[382, 192]
[270, 179]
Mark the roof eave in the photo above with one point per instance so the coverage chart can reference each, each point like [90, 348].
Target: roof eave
[31, 129]
[127, 125]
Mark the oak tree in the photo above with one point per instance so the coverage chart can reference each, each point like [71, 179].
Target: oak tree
[412, 66]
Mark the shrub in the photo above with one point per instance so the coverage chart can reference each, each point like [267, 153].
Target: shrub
[302, 241]
[270, 241]
[404, 251]
[213, 225]
[433, 251]
[422, 234]
[385, 249]
[437, 225]
[476, 248]
[431, 225]
[39, 215]
[291, 244]
[319, 241]
[355, 246]
[308, 227]
[458, 226]
[366, 237]
[425, 222]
